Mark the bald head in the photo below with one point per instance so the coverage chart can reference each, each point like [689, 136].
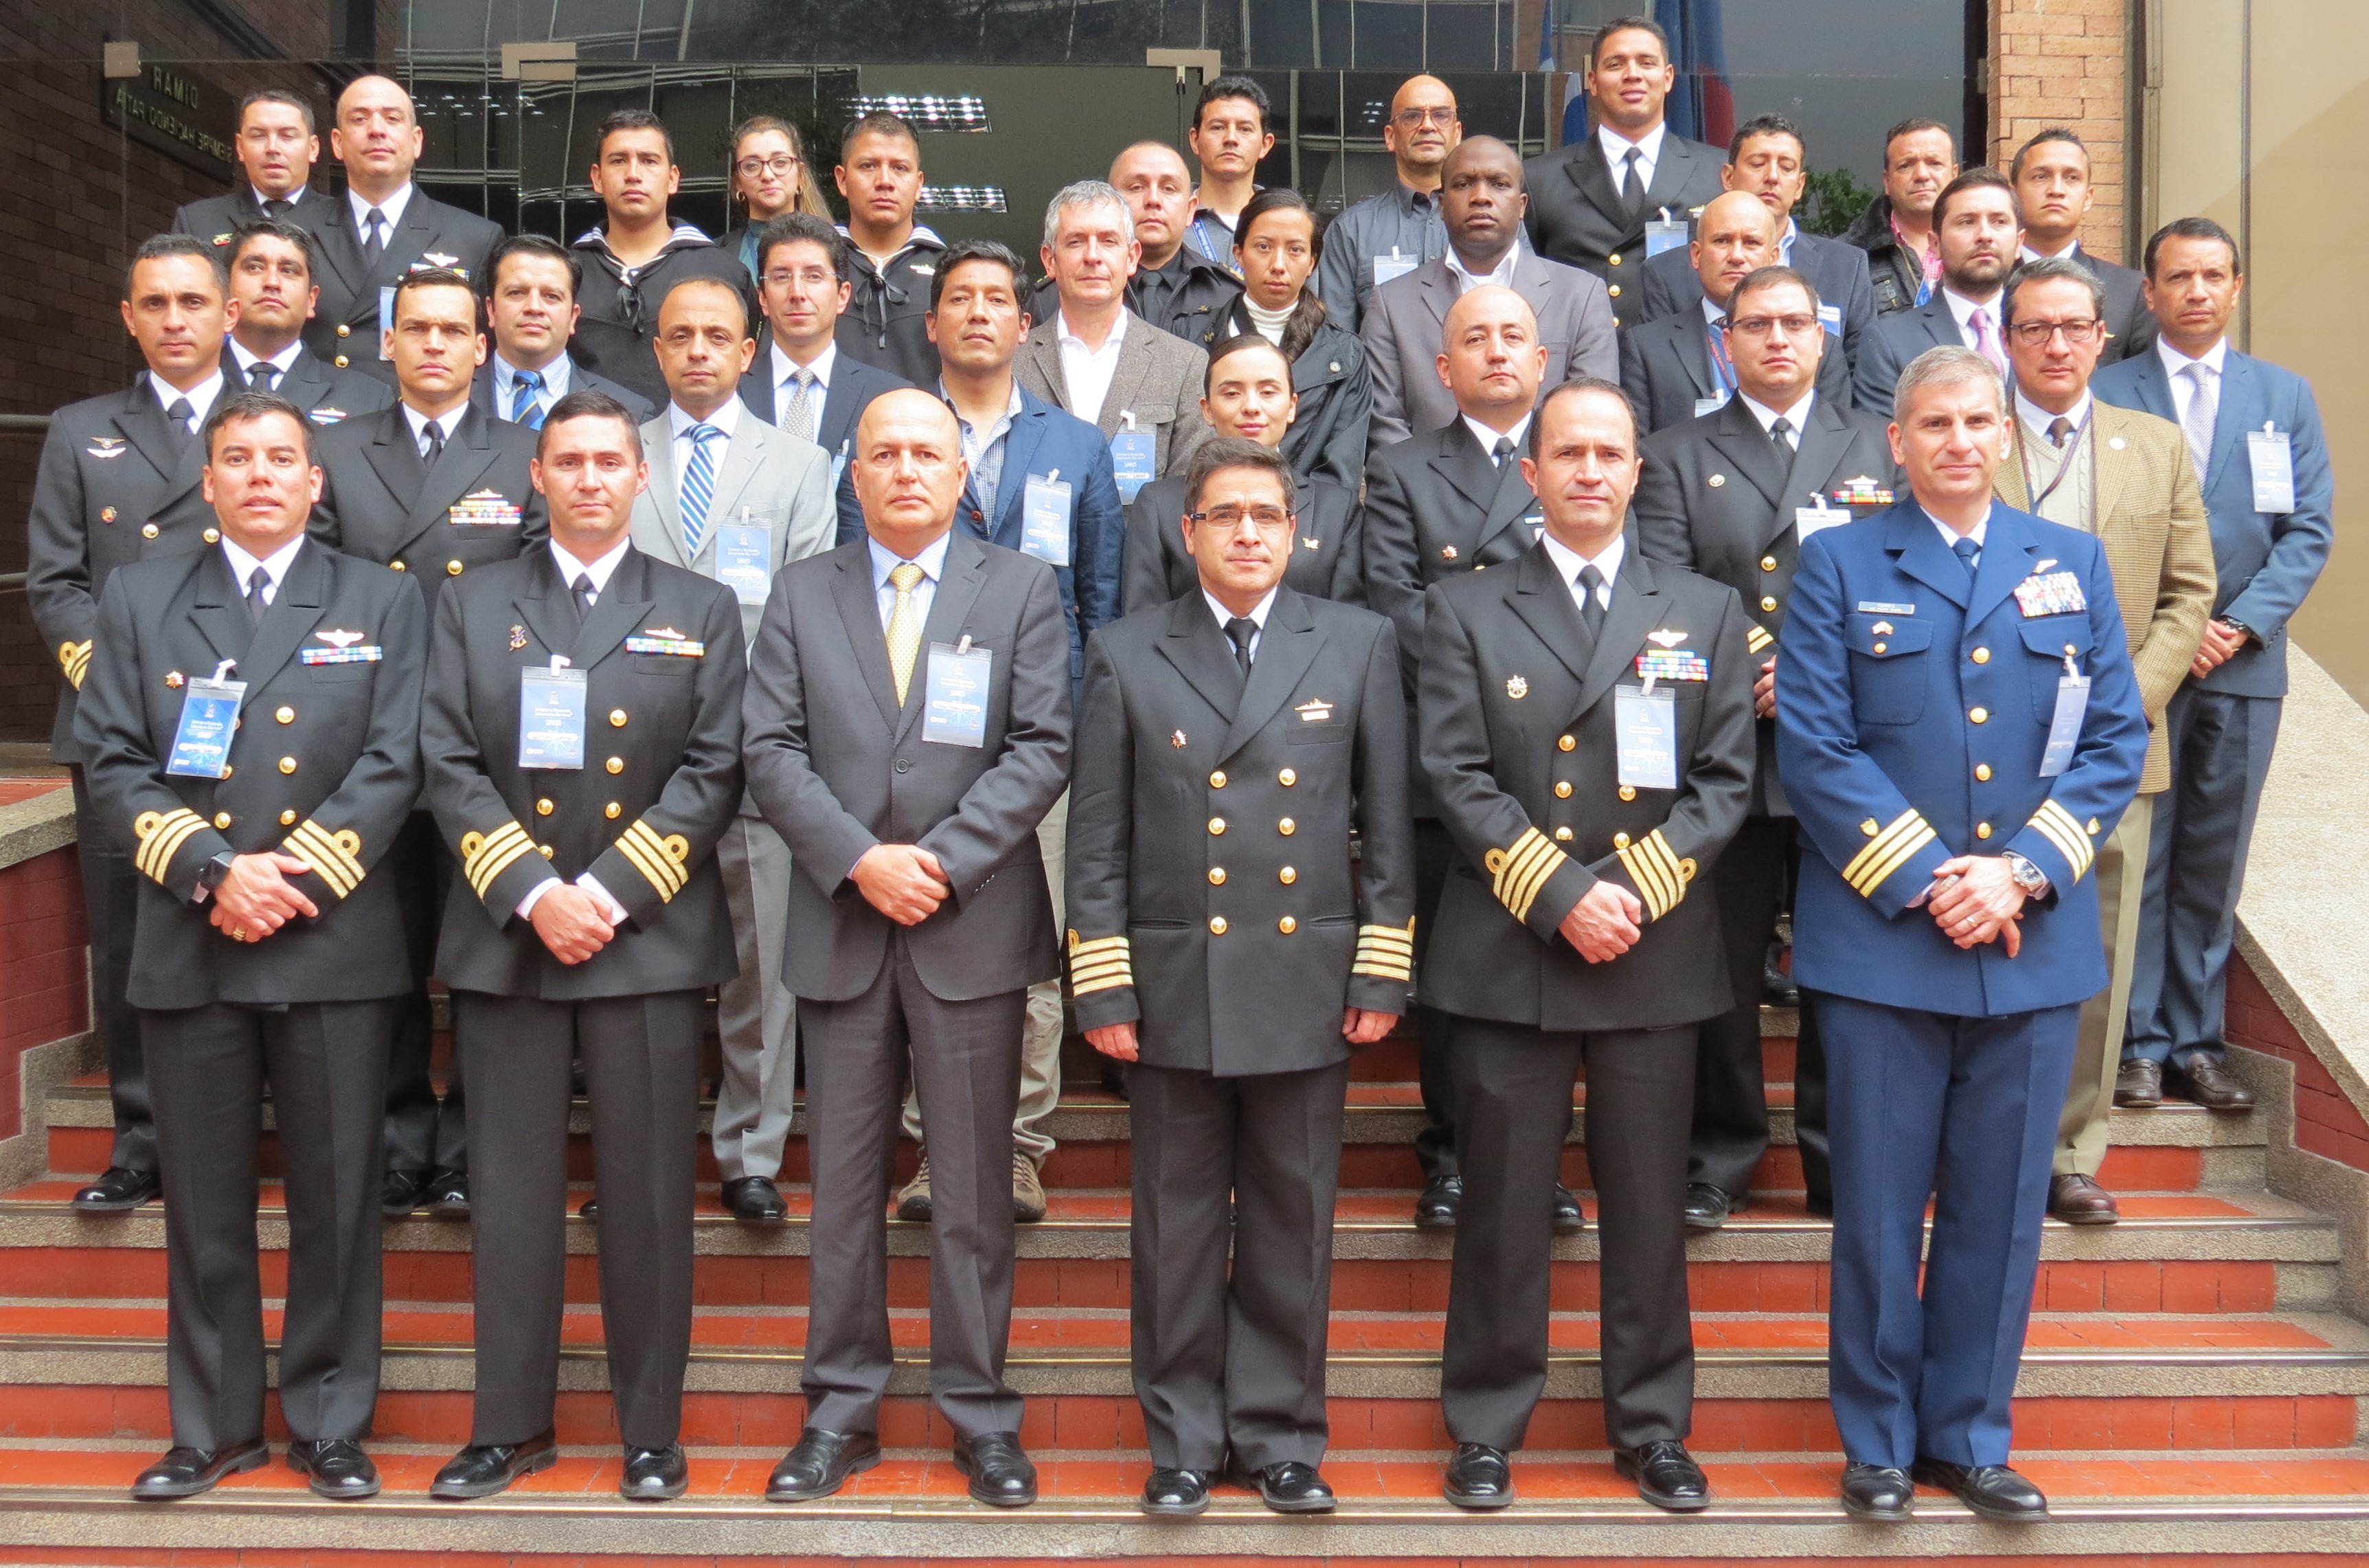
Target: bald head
[377, 136]
[1423, 129]
[1491, 357]
[1482, 201]
[909, 470]
[1158, 189]
[1736, 234]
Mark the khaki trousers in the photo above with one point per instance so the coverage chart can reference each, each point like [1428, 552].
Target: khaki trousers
[2097, 1049]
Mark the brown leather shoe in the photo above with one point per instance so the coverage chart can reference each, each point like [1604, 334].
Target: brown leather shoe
[2078, 1201]
[2139, 1085]
[2209, 1084]
[1028, 1191]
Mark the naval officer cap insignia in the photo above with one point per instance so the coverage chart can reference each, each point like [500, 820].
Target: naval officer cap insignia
[1517, 687]
[1176, 738]
[518, 639]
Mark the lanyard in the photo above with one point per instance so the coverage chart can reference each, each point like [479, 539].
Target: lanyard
[1723, 363]
[2072, 455]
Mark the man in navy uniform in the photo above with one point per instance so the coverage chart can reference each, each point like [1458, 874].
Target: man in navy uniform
[278, 146]
[1959, 728]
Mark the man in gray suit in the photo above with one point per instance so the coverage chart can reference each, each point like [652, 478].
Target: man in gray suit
[1102, 361]
[1482, 202]
[1980, 230]
[736, 499]
[908, 727]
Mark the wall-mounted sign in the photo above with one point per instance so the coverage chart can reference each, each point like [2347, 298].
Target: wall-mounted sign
[176, 111]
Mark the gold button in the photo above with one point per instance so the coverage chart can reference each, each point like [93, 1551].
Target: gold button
[1627, 792]
[1881, 646]
[286, 715]
[222, 818]
[542, 808]
[616, 718]
[107, 514]
[228, 770]
[1216, 877]
[1287, 827]
[395, 566]
[1286, 778]
[1217, 779]
[1288, 875]
[615, 764]
[452, 568]
[1614, 259]
[613, 811]
[213, 536]
[1768, 602]
[1768, 562]
[1562, 835]
[1614, 290]
[1217, 824]
[288, 819]
[545, 848]
[1981, 655]
[1564, 743]
[148, 531]
[287, 765]
[1619, 840]
[1869, 828]
[173, 679]
[1980, 715]
[1287, 925]
[341, 359]
[1563, 789]
[1981, 829]
[1217, 925]
[344, 330]
[1983, 772]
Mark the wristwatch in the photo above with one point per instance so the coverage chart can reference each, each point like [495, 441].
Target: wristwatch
[211, 875]
[2028, 876]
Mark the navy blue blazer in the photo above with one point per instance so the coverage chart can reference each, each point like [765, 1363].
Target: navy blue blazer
[2267, 561]
[1045, 441]
[1891, 342]
[1912, 709]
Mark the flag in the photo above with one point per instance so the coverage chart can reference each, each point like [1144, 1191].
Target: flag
[1701, 105]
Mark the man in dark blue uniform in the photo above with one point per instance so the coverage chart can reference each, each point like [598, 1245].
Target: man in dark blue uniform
[1958, 729]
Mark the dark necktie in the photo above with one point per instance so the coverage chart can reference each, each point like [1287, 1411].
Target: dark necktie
[526, 408]
[1591, 608]
[373, 236]
[1633, 183]
[261, 375]
[585, 597]
[1242, 629]
[276, 208]
[178, 416]
[256, 581]
[1778, 428]
[2060, 429]
[1967, 551]
[435, 444]
[1502, 451]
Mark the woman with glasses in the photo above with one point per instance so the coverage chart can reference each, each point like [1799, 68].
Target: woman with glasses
[1278, 243]
[1248, 393]
[770, 177]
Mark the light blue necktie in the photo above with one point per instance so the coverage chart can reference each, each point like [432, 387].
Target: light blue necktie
[524, 407]
[698, 488]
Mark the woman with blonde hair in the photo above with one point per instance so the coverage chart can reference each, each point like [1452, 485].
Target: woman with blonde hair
[770, 177]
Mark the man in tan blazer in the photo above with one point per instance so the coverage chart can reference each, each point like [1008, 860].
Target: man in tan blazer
[2124, 477]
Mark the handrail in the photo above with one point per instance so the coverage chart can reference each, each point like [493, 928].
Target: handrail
[24, 424]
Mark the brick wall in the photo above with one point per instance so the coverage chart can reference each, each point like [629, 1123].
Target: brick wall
[2325, 1121]
[44, 984]
[2063, 62]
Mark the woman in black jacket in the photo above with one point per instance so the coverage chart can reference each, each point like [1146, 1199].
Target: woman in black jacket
[770, 177]
[1277, 242]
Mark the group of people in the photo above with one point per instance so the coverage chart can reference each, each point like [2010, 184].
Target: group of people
[855, 626]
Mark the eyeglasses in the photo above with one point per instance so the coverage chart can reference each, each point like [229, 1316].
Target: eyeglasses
[779, 163]
[813, 277]
[1267, 519]
[2036, 334]
[1443, 116]
[1762, 325]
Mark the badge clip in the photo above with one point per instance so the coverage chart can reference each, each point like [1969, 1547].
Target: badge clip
[225, 668]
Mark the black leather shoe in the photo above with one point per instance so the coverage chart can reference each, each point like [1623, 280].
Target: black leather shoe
[121, 1189]
[334, 1468]
[447, 1195]
[1993, 1490]
[1819, 1206]
[185, 1473]
[754, 1200]
[1667, 1476]
[400, 1192]
[2077, 1199]
[1878, 1493]
[482, 1469]
[1288, 1488]
[1479, 1477]
[1707, 1206]
[653, 1475]
[590, 1208]
[2138, 1084]
[1777, 987]
[2208, 1083]
[1001, 1475]
[1436, 1208]
[1175, 1493]
[819, 1464]
[1568, 1219]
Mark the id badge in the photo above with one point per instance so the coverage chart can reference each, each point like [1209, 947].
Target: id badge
[744, 560]
[838, 466]
[2065, 729]
[208, 720]
[551, 717]
[2270, 450]
[385, 318]
[1831, 318]
[1665, 233]
[1394, 266]
[1646, 721]
[1710, 405]
[956, 710]
[1131, 453]
[1817, 518]
[1045, 519]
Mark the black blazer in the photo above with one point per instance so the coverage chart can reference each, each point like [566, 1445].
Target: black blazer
[217, 219]
[116, 483]
[380, 501]
[837, 766]
[853, 385]
[344, 329]
[1239, 951]
[1712, 497]
[643, 822]
[1836, 271]
[1576, 214]
[1436, 507]
[481, 392]
[2127, 316]
[1327, 439]
[324, 393]
[1328, 559]
[1517, 733]
[324, 766]
[1666, 366]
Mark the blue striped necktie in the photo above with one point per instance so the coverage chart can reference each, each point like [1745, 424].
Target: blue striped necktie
[698, 488]
[524, 407]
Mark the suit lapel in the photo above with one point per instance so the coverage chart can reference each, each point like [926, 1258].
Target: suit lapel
[958, 590]
[1199, 649]
[666, 489]
[621, 607]
[1019, 454]
[1543, 601]
[1511, 499]
[2236, 413]
[1694, 352]
[859, 612]
[176, 460]
[341, 246]
[544, 605]
[1825, 436]
[1739, 437]
[1671, 170]
[2006, 560]
[1910, 535]
[395, 458]
[1287, 647]
[296, 611]
[468, 453]
[1439, 293]
[219, 612]
[1636, 608]
[2008, 484]
[1593, 175]
[2154, 387]
[1127, 376]
[2113, 465]
[1467, 468]
[742, 457]
[405, 241]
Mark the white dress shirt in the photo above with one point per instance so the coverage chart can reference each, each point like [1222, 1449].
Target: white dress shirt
[1487, 438]
[2175, 365]
[558, 380]
[1962, 311]
[448, 423]
[2038, 419]
[1950, 536]
[1793, 416]
[1257, 618]
[201, 396]
[247, 360]
[1466, 282]
[1616, 154]
[726, 419]
[1568, 563]
[2051, 491]
[275, 566]
[391, 210]
[786, 387]
[1087, 373]
[933, 562]
[600, 571]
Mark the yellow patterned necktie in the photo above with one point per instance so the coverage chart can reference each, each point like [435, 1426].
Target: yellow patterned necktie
[904, 625]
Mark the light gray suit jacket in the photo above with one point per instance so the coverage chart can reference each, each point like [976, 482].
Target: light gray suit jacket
[1157, 378]
[1405, 317]
[770, 479]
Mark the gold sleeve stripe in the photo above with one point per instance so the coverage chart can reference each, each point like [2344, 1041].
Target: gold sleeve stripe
[75, 659]
[1660, 875]
[504, 845]
[1518, 873]
[1386, 952]
[654, 857]
[161, 839]
[1107, 963]
[1757, 638]
[331, 854]
[1887, 853]
[2061, 830]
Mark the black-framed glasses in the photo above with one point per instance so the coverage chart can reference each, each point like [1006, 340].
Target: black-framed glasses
[1267, 519]
[2036, 334]
[779, 163]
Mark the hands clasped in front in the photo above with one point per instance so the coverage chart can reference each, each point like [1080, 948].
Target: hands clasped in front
[1359, 1026]
[1605, 923]
[1978, 901]
[255, 899]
